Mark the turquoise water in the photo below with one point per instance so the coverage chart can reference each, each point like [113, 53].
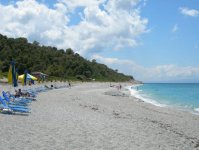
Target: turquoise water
[170, 94]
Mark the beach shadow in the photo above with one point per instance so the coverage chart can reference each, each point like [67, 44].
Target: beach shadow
[15, 114]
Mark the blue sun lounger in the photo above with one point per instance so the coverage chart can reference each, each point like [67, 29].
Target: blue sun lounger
[13, 106]
[17, 101]
[9, 109]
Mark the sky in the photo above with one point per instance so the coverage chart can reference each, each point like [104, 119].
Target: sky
[153, 40]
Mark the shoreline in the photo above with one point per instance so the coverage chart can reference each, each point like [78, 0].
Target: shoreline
[136, 94]
[97, 116]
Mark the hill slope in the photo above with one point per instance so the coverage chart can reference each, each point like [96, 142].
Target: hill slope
[59, 63]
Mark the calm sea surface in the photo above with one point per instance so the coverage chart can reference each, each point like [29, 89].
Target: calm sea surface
[181, 95]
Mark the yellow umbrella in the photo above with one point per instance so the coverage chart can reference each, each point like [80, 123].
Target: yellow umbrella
[12, 78]
[21, 77]
[10, 75]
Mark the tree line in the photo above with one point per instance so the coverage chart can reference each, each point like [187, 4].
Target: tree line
[60, 63]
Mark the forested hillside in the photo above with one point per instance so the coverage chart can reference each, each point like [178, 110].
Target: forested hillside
[55, 62]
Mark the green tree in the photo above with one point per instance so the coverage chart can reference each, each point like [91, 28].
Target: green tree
[52, 61]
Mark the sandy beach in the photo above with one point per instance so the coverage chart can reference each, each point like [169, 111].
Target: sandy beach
[93, 116]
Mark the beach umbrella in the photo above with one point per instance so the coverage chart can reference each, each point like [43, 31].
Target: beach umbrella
[12, 79]
[26, 77]
[31, 77]
[10, 75]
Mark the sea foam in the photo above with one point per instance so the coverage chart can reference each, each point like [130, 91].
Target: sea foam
[196, 111]
[136, 93]
[175, 95]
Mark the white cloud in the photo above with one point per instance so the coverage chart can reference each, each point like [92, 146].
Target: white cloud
[116, 26]
[175, 28]
[30, 19]
[161, 73]
[189, 12]
[73, 4]
[110, 61]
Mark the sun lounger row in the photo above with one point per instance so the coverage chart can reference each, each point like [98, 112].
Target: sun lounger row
[20, 103]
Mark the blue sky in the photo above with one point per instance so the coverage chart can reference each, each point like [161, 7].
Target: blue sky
[161, 45]
[153, 40]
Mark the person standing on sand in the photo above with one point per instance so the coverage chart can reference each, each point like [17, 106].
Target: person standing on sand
[69, 84]
[119, 87]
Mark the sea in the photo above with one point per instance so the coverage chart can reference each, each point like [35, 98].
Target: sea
[178, 95]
